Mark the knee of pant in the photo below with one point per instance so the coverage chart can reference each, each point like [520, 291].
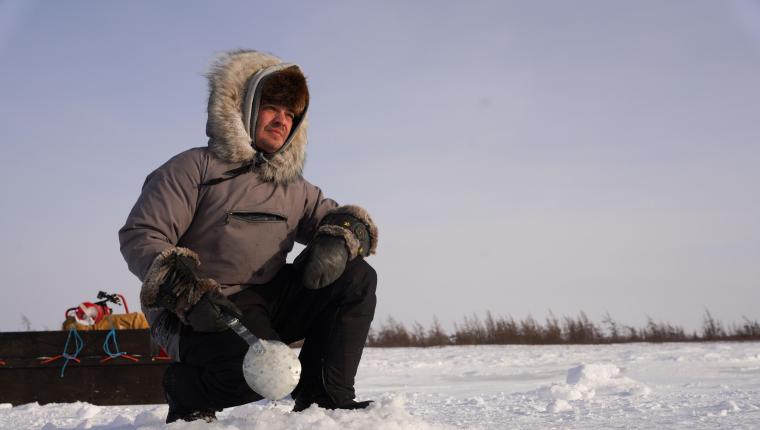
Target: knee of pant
[362, 277]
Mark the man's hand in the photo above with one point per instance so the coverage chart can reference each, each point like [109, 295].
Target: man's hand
[197, 302]
[323, 261]
[205, 316]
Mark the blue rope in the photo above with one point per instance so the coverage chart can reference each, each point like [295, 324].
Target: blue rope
[112, 335]
[78, 346]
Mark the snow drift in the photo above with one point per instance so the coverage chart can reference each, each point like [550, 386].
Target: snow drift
[689, 385]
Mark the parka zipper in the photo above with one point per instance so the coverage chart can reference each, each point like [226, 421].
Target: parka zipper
[254, 217]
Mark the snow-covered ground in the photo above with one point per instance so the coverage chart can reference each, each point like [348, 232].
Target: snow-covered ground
[692, 385]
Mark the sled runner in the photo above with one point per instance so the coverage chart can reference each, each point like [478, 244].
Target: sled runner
[99, 357]
[33, 364]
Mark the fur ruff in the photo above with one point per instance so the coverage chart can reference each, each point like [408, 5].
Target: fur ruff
[352, 243]
[228, 138]
[187, 296]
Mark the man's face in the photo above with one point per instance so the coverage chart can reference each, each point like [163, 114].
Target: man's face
[273, 127]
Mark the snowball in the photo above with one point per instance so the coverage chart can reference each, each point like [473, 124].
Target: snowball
[273, 372]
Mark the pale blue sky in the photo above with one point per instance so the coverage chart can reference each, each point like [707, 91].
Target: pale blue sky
[517, 156]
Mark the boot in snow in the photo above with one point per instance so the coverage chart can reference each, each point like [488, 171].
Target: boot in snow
[176, 413]
[316, 394]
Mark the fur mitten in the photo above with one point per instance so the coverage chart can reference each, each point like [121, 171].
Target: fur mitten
[173, 283]
[344, 234]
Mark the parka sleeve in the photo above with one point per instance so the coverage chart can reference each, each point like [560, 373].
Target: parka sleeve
[316, 206]
[163, 211]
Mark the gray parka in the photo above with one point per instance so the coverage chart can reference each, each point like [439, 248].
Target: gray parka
[235, 211]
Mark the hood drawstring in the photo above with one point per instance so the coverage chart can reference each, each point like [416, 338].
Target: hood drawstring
[259, 159]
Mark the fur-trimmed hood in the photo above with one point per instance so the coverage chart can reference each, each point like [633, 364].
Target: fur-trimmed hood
[232, 107]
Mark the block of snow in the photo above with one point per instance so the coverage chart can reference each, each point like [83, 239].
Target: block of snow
[559, 405]
[592, 374]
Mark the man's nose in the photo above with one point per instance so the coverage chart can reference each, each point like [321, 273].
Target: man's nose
[279, 117]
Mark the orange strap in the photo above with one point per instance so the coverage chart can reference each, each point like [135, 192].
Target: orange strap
[52, 359]
[122, 355]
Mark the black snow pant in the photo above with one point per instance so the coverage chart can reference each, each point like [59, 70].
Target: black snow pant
[333, 321]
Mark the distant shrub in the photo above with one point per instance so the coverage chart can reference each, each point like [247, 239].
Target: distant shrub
[662, 332]
[712, 329]
[749, 330]
[500, 330]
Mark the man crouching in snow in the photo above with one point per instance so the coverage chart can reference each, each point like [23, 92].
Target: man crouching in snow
[211, 231]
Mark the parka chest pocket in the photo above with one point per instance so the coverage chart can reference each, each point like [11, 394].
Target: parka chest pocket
[249, 240]
[254, 217]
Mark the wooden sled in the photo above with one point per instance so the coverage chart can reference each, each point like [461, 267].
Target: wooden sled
[125, 372]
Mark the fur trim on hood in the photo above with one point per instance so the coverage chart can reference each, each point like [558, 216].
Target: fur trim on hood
[235, 82]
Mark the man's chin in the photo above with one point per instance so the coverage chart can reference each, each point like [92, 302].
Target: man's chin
[268, 147]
